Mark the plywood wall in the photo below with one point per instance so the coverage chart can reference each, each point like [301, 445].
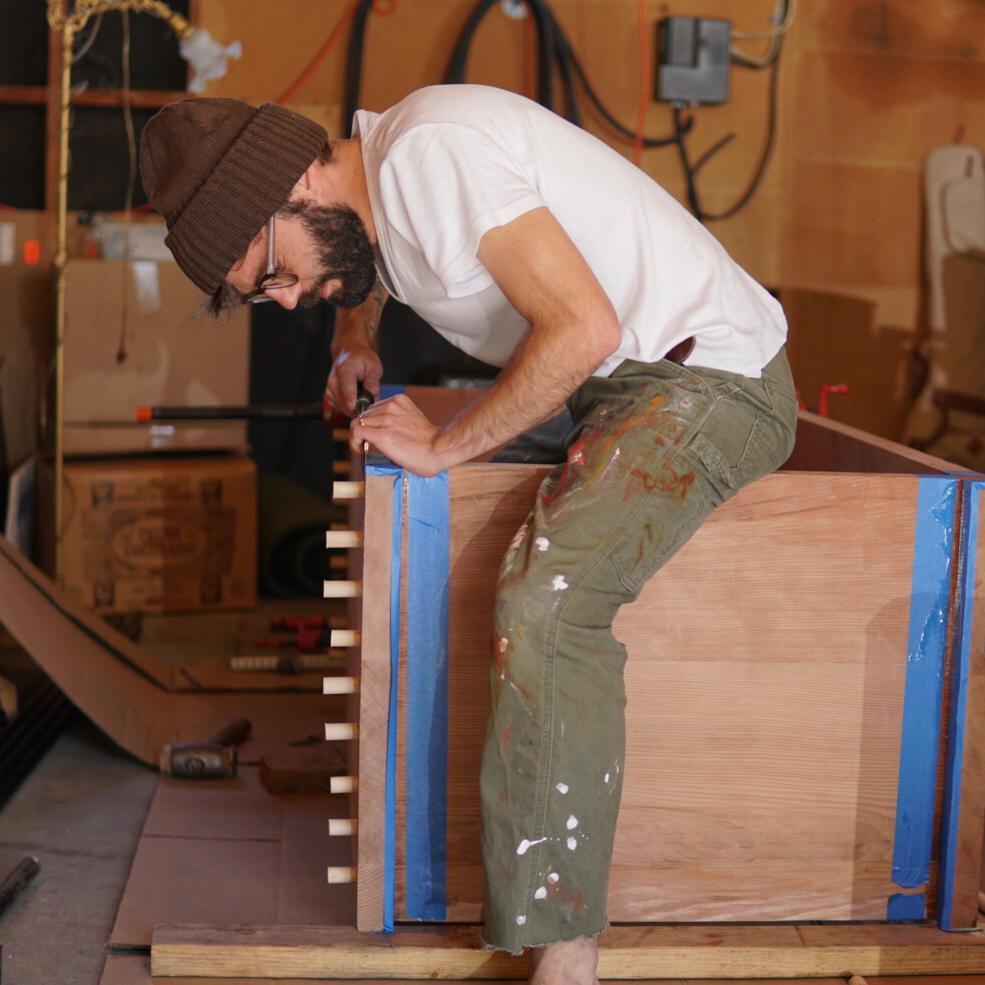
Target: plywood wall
[410, 48]
[867, 87]
[870, 87]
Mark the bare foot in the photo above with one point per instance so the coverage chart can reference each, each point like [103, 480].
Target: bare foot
[566, 963]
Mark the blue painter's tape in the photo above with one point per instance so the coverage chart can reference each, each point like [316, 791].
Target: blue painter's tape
[390, 791]
[902, 907]
[427, 695]
[951, 814]
[933, 551]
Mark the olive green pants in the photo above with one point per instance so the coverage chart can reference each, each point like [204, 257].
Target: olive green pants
[656, 447]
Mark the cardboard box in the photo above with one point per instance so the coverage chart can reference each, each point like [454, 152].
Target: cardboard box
[161, 534]
[172, 354]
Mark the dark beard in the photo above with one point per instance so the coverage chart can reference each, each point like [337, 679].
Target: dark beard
[344, 253]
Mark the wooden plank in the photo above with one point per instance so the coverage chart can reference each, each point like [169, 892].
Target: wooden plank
[624, 952]
[763, 746]
[969, 736]
[374, 699]
[134, 969]
[825, 445]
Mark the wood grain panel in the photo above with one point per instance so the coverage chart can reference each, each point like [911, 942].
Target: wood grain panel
[897, 28]
[839, 206]
[624, 952]
[970, 740]
[374, 702]
[862, 106]
[763, 743]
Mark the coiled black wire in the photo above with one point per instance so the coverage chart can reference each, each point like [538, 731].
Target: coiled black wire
[554, 51]
[354, 63]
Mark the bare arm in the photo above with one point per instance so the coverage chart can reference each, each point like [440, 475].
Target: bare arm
[574, 328]
[354, 350]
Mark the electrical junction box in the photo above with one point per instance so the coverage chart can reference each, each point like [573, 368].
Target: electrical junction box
[693, 59]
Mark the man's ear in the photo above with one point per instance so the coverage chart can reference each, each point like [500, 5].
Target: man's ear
[302, 190]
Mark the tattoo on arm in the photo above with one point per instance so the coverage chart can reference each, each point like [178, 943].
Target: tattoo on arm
[374, 310]
[365, 320]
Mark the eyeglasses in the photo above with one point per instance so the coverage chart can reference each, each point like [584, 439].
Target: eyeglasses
[271, 280]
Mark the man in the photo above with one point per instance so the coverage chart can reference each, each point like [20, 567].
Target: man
[535, 247]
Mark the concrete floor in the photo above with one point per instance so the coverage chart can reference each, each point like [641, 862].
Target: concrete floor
[80, 812]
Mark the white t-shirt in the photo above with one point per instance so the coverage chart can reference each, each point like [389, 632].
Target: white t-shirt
[449, 163]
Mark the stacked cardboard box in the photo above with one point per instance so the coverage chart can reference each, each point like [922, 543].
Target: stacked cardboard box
[145, 531]
[161, 534]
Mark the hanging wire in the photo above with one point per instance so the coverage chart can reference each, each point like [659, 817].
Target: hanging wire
[783, 17]
[90, 40]
[121, 352]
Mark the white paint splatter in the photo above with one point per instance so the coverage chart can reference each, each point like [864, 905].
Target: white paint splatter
[572, 822]
[542, 544]
[521, 920]
[541, 893]
[559, 584]
[553, 877]
[605, 779]
[525, 845]
[572, 844]
[561, 788]
[504, 644]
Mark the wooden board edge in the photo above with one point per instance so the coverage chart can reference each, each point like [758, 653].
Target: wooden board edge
[970, 800]
[374, 699]
[625, 952]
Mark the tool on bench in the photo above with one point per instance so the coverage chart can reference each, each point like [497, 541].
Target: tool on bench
[310, 638]
[212, 760]
[363, 402]
[18, 880]
[286, 663]
[247, 412]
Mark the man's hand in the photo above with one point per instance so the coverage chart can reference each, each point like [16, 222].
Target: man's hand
[354, 365]
[398, 429]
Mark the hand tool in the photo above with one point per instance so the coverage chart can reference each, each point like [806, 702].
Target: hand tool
[212, 760]
[363, 402]
[17, 881]
[247, 412]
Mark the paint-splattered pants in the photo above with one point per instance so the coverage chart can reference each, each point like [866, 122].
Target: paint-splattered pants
[656, 447]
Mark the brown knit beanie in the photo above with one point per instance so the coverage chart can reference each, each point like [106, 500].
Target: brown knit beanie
[217, 170]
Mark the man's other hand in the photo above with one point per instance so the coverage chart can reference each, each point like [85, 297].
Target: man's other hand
[352, 366]
[398, 429]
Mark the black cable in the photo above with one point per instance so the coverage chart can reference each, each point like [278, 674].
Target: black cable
[566, 52]
[354, 63]
[546, 47]
[557, 48]
[681, 128]
[718, 145]
[572, 110]
[759, 173]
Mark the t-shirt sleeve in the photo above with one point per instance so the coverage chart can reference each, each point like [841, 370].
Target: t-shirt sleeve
[444, 187]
